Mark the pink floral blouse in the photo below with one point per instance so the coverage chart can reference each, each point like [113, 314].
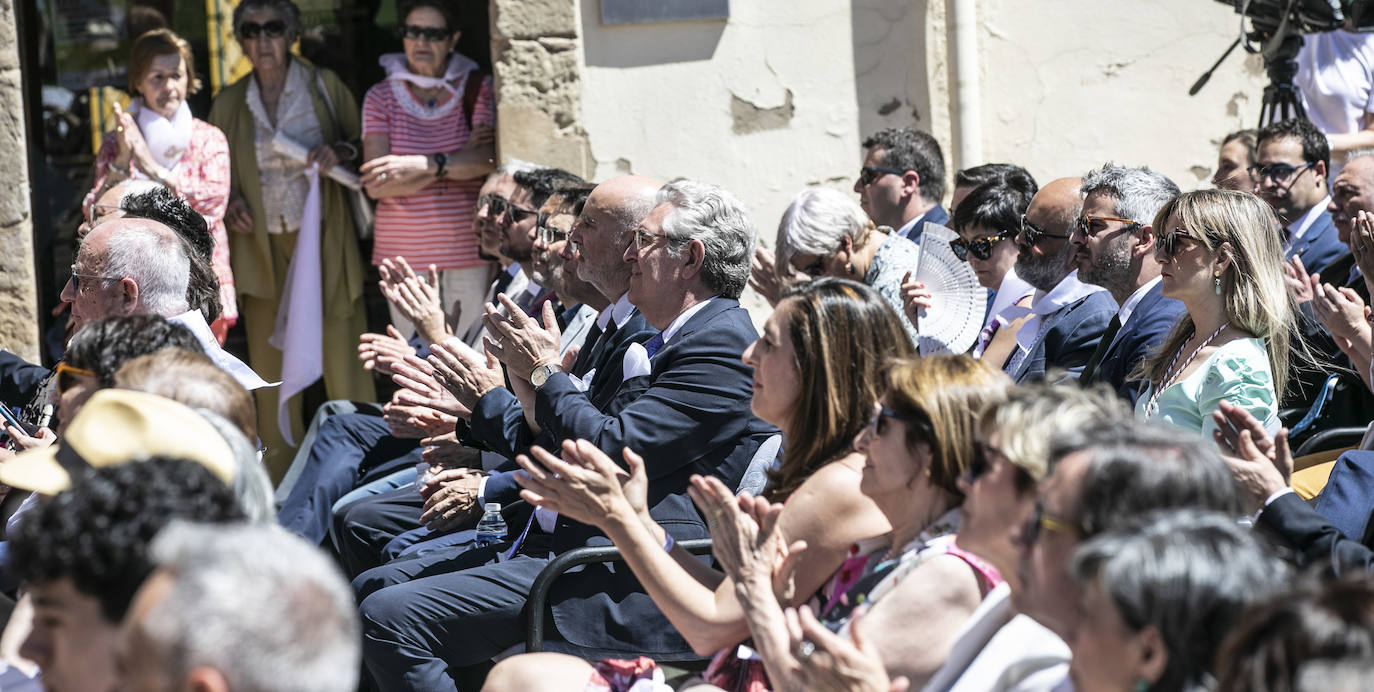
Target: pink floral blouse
[202, 179]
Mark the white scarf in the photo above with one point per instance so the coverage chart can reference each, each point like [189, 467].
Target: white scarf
[167, 139]
[396, 69]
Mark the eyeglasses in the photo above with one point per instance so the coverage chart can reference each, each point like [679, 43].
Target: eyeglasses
[644, 238]
[1042, 520]
[1034, 234]
[1086, 227]
[979, 464]
[275, 28]
[78, 277]
[66, 376]
[497, 206]
[1279, 172]
[868, 174]
[980, 247]
[1168, 242]
[548, 235]
[878, 423]
[423, 33]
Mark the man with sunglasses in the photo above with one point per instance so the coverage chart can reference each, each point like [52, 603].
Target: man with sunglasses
[1101, 478]
[1066, 316]
[902, 181]
[1291, 163]
[1114, 241]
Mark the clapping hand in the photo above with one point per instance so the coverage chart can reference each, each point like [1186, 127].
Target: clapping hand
[1300, 284]
[1261, 464]
[381, 352]
[420, 388]
[517, 340]
[1362, 244]
[450, 499]
[828, 662]
[585, 485]
[746, 538]
[417, 299]
[464, 372]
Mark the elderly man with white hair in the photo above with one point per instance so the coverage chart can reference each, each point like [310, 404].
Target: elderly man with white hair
[245, 608]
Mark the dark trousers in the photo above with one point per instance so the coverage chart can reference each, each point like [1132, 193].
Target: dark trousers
[349, 448]
[363, 528]
[427, 617]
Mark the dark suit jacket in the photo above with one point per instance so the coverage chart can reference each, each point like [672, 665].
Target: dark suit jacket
[1351, 403]
[935, 214]
[20, 380]
[1151, 321]
[1071, 339]
[498, 423]
[1319, 246]
[1315, 539]
[692, 416]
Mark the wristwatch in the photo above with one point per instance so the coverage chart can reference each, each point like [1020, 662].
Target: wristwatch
[441, 160]
[541, 374]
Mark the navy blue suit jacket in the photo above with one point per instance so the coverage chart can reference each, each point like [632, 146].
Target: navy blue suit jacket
[935, 214]
[1319, 246]
[1315, 539]
[1071, 339]
[1150, 323]
[498, 423]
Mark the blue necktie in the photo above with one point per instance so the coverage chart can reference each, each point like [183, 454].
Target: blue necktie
[652, 345]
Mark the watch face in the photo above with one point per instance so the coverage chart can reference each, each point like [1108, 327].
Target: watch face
[539, 376]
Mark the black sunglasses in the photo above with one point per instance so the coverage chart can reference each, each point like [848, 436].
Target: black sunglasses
[868, 174]
[1279, 171]
[422, 33]
[275, 28]
[979, 464]
[978, 247]
[1168, 242]
[497, 206]
[545, 233]
[1034, 234]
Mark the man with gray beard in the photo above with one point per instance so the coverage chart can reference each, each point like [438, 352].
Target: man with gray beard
[1067, 316]
[1114, 247]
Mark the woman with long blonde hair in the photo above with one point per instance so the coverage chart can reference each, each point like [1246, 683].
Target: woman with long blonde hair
[1219, 254]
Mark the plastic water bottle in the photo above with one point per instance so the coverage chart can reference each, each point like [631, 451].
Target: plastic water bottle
[492, 528]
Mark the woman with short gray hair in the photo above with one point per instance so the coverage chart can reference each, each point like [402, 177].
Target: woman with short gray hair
[1159, 597]
[825, 232]
[285, 98]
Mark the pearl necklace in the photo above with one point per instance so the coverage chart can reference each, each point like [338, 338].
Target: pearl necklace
[1170, 374]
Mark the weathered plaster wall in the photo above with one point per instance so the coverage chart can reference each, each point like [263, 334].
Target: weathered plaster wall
[1067, 85]
[763, 104]
[18, 297]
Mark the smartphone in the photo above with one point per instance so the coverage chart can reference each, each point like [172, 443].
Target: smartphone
[10, 418]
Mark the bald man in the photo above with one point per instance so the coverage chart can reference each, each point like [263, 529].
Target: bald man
[1067, 316]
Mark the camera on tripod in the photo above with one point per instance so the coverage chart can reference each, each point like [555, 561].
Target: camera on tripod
[1276, 29]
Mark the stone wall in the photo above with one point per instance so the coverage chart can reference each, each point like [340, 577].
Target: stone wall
[18, 284]
[537, 57]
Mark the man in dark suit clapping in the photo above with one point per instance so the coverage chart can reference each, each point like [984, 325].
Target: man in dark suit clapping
[682, 402]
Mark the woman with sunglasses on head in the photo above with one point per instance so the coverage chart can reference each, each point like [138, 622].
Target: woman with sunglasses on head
[428, 140]
[158, 139]
[820, 409]
[824, 232]
[987, 221]
[1219, 256]
[286, 97]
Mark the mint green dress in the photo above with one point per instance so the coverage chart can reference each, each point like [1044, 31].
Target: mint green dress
[1237, 372]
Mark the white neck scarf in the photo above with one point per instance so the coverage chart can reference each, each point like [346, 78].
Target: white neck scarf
[167, 139]
[395, 66]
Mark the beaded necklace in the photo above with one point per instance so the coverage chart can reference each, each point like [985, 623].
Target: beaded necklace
[1171, 373]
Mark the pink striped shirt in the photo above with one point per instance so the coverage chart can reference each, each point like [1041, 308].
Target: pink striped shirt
[433, 225]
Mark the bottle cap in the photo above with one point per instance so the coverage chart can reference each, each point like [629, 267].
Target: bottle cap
[492, 507]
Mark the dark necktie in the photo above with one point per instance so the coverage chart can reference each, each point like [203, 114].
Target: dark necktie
[1090, 372]
[589, 344]
[652, 345]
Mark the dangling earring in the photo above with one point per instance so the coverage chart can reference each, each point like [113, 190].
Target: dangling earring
[1142, 686]
[1216, 282]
